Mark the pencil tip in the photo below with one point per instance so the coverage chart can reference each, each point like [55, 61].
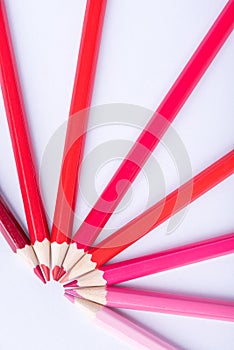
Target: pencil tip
[61, 273]
[72, 284]
[65, 278]
[55, 273]
[70, 297]
[39, 274]
[71, 292]
[46, 272]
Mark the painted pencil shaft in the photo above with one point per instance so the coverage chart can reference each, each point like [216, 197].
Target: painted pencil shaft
[150, 137]
[153, 263]
[154, 216]
[22, 147]
[143, 300]
[76, 131]
[169, 259]
[156, 127]
[164, 209]
[10, 228]
[130, 331]
[17, 239]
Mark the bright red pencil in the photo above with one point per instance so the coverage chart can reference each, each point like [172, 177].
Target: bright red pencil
[154, 263]
[17, 239]
[76, 132]
[151, 135]
[22, 147]
[156, 215]
[168, 303]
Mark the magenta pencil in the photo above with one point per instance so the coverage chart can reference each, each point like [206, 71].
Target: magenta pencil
[143, 300]
[157, 262]
[121, 326]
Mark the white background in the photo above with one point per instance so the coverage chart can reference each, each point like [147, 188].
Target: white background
[144, 47]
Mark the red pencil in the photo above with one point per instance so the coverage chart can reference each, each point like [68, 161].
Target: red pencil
[76, 132]
[17, 239]
[154, 263]
[151, 135]
[156, 215]
[126, 328]
[22, 147]
[167, 303]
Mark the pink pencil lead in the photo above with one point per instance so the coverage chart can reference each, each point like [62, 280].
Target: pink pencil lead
[72, 292]
[71, 298]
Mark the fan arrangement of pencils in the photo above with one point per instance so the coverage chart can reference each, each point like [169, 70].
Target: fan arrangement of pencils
[76, 261]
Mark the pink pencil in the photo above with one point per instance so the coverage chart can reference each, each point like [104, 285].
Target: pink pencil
[157, 262]
[167, 303]
[121, 326]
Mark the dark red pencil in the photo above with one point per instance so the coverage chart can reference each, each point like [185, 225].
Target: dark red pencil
[17, 239]
[22, 147]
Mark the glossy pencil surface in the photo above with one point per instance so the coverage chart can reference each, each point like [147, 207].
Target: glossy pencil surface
[154, 263]
[164, 209]
[150, 137]
[124, 327]
[156, 127]
[22, 147]
[76, 131]
[17, 239]
[155, 215]
[143, 300]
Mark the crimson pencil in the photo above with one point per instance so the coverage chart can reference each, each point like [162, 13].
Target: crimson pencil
[17, 239]
[22, 147]
[76, 132]
[154, 263]
[151, 135]
[144, 300]
[156, 215]
[123, 327]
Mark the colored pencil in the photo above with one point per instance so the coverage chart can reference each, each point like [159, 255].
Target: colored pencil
[76, 132]
[22, 147]
[154, 263]
[155, 215]
[151, 135]
[168, 303]
[17, 239]
[123, 327]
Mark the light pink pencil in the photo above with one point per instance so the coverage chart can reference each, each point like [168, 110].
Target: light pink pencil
[123, 327]
[183, 305]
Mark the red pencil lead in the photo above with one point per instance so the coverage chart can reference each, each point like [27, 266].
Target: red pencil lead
[46, 272]
[39, 274]
[71, 284]
[56, 273]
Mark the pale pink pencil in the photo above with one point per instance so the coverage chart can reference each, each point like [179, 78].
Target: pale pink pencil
[123, 327]
[167, 303]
